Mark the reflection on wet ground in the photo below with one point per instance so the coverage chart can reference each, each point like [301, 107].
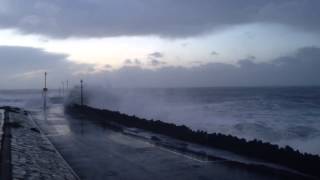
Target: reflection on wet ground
[100, 153]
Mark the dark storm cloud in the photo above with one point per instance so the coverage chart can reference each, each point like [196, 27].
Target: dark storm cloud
[301, 68]
[24, 67]
[171, 18]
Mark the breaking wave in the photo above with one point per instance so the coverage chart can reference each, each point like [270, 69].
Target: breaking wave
[285, 116]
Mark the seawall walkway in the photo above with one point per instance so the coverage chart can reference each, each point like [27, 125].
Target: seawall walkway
[26, 153]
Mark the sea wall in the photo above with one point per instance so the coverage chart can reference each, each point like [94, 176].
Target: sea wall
[286, 156]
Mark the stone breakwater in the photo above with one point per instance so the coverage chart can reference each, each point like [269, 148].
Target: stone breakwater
[32, 154]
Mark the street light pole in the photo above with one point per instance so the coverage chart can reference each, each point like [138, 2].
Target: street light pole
[45, 89]
[62, 88]
[81, 93]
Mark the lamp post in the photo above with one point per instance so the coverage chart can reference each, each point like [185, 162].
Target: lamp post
[67, 85]
[45, 90]
[62, 88]
[81, 91]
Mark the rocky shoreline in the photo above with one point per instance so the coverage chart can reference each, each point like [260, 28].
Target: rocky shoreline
[302, 162]
[30, 154]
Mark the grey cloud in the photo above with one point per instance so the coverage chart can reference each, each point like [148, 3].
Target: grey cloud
[184, 44]
[156, 55]
[196, 62]
[156, 62]
[301, 68]
[107, 66]
[171, 18]
[251, 57]
[214, 53]
[127, 62]
[135, 62]
[23, 67]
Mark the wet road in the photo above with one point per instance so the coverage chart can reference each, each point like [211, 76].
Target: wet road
[97, 153]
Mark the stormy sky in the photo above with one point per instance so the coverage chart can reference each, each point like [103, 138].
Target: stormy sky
[160, 43]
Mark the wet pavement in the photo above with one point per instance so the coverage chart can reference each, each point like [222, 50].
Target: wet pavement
[100, 153]
[1, 125]
[32, 155]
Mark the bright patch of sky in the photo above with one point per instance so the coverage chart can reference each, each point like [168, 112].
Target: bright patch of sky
[260, 42]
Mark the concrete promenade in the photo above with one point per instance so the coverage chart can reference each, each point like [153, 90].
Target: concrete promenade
[95, 152]
[45, 145]
[31, 154]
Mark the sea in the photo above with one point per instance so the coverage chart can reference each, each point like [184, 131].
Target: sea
[280, 115]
